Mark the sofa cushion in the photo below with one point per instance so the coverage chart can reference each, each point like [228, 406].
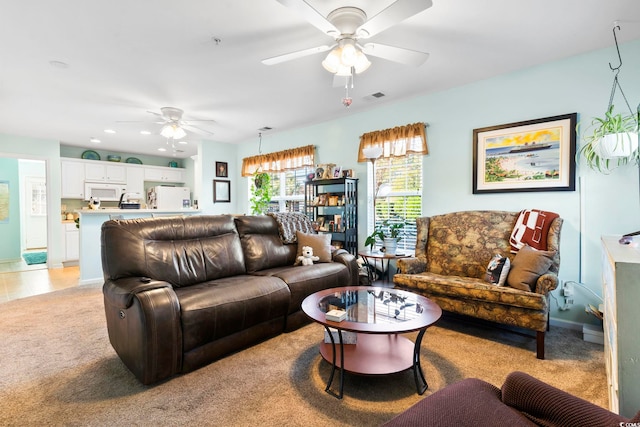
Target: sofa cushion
[527, 266]
[497, 270]
[261, 243]
[470, 402]
[181, 251]
[216, 309]
[469, 288]
[461, 243]
[289, 223]
[531, 228]
[320, 243]
[303, 281]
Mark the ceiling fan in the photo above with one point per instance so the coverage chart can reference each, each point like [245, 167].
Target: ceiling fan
[348, 26]
[174, 126]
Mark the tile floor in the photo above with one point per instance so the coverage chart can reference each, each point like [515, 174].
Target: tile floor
[35, 281]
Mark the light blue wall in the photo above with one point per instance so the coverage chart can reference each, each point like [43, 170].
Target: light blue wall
[602, 204]
[210, 152]
[12, 146]
[10, 230]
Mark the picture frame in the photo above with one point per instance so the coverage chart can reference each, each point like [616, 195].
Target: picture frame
[221, 191]
[337, 172]
[222, 170]
[532, 155]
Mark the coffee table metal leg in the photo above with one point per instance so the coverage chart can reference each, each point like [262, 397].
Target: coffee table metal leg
[417, 368]
[333, 364]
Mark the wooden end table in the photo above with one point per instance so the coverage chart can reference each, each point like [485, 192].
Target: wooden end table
[377, 316]
[371, 259]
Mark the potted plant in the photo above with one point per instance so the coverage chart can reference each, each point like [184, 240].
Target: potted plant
[261, 193]
[611, 141]
[389, 233]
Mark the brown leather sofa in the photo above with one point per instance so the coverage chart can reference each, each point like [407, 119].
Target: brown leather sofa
[522, 401]
[180, 293]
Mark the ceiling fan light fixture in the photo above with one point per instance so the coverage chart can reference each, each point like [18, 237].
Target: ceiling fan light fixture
[348, 53]
[362, 62]
[332, 62]
[173, 131]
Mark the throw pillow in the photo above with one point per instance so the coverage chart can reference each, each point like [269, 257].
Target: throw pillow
[321, 244]
[497, 270]
[291, 222]
[527, 266]
[531, 228]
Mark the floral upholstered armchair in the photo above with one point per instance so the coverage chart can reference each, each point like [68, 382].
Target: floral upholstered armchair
[452, 255]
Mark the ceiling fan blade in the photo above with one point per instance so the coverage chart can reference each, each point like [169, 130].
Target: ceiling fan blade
[196, 129]
[295, 55]
[395, 54]
[314, 17]
[396, 12]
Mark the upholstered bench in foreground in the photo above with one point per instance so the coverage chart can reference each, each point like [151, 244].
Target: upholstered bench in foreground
[522, 401]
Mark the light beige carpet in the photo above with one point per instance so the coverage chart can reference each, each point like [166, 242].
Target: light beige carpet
[58, 368]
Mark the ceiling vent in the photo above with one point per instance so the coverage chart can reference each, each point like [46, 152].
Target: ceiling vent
[265, 128]
[374, 96]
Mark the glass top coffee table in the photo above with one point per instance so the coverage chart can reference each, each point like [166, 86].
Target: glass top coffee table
[377, 316]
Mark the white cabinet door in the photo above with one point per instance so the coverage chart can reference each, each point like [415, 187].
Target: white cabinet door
[72, 179]
[162, 174]
[116, 174]
[135, 181]
[71, 242]
[103, 172]
[94, 171]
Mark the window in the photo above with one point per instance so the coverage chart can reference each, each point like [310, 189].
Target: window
[288, 190]
[396, 192]
[399, 195]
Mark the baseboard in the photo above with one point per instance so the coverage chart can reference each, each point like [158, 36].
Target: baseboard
[567, 324]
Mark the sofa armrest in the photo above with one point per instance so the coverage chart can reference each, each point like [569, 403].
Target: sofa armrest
[121, 292]
[546, 283]
[143, 322]
[344, 257]
[550, 406]
[411, 265]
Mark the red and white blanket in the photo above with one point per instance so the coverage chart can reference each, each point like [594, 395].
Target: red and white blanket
[532, 227]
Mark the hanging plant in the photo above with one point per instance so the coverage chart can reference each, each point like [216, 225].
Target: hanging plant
[261, 193]
[611, 141]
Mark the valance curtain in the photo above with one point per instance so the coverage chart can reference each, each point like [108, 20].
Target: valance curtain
[396, 142]
[279, 161]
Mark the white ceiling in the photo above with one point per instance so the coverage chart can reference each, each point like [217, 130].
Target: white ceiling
[126, 57]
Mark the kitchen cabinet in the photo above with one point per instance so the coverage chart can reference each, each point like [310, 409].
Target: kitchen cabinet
[333, 204]
[163, 174]
[135, 180]
[621, 293]
[105, 172]
[72, 179]
[71, 242]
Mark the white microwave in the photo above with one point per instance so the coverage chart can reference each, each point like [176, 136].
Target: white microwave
[103, 192]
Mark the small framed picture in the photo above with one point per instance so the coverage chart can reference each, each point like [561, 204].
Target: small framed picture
[337, 172]
[221, 191]
[322, 200]
[347, 173]
[222, 170]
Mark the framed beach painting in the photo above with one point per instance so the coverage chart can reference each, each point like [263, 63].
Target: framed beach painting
[534, 155]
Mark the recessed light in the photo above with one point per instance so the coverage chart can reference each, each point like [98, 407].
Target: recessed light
[145, 132]
[162, 149]
[109, 131]
[94, 140]
[183, 142]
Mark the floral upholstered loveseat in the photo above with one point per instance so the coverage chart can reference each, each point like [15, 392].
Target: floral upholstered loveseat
[452, 254]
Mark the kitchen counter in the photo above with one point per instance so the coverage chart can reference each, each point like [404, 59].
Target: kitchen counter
[91, 221]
